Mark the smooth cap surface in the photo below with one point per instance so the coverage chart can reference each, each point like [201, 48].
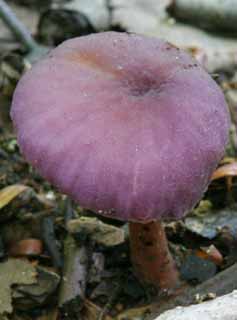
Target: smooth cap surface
[129, 126]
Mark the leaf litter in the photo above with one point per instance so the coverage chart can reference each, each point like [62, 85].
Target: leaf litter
[101, 245]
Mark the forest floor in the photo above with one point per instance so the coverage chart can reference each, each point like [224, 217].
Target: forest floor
[61, 261]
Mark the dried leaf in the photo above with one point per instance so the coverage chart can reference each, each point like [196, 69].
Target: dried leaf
[37, 294]
[98, 231]
[7, 194]
[13, 271]
[210, 253]
[227, 170]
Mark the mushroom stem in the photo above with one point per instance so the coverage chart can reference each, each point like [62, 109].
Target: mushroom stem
[150, 256]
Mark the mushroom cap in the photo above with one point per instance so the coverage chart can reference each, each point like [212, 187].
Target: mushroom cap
[129, 126]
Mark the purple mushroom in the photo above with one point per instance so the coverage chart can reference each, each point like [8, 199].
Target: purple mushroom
[130, 127]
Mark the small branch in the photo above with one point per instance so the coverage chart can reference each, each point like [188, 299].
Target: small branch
[68, 210]
[17, 28]
[35, 51]
[50, 241]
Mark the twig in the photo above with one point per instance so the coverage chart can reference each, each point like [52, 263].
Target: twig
[50, 241]
[35, 51]
[17, 28]
[68, 210]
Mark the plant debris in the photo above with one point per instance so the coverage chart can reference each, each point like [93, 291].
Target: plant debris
[100, 232]
[60, 261]
[13, 272]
